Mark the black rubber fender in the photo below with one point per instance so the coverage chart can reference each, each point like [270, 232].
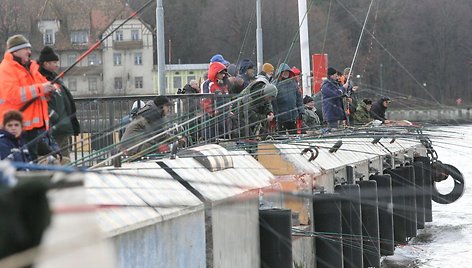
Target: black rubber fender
[457, 191]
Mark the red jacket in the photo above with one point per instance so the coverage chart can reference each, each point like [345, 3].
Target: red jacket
[215, 68]
[18, 86]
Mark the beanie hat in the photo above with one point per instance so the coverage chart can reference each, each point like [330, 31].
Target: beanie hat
[331, 71]
[307, 99]
[267, 68]
[219, 58]
[244, 65]
[367, 101]
[269, 90]
[160, 101]
[17, 42]
[47, 54]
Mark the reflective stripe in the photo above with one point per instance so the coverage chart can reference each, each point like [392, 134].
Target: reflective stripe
[36, 120]
[2, 101]
[43, 98]
[33, 91]
[23, 94]
[26, 123]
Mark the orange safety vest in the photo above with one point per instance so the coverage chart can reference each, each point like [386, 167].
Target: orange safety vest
[18, 86]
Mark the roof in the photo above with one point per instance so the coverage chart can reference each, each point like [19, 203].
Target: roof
[141, 193]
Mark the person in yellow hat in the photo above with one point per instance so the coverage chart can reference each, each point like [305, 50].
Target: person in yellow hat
[267, 71]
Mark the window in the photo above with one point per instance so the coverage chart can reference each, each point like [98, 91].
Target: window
[138, 82]
[189, 78]
[177, 82]
[71, 58]
[117, 58]
[48, 37]
[135, 35]
[92, 84]
[118, 83]
[119, 36]
[72, 84]
[138, 58]
[92, 59]
[79, 37]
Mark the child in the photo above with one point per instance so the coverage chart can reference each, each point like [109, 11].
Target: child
[11, 145]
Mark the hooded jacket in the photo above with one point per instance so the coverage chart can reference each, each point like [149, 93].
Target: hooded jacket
[216, 86]
[12, 148]
[378, 110]
[61, 108]
[244, 65]
[288, 106]
[21, 86]
[148, 122]
[332, 98]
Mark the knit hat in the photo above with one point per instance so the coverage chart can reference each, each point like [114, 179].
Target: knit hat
[267, 68]
[307, 99]
[346, 71]
[219, 58]
[331, 71]
[244, 65]
[160, 101]
[17, 42]
[367, 101]
[47, 54]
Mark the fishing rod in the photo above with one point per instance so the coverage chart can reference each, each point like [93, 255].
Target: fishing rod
[358, 44]
[81, 57]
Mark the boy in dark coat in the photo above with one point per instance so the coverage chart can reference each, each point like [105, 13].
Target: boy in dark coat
[11, 144]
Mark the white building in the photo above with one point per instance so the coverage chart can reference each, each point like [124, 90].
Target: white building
[128, 59]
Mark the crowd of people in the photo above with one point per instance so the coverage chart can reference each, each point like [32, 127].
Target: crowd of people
[38, 114]
[37, 111]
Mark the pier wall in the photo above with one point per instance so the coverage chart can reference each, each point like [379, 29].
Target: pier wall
[438, 115]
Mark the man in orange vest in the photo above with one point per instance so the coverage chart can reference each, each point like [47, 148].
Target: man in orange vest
[24, 88]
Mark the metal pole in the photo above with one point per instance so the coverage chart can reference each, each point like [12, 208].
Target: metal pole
[260, 56]
[304, 47]
[161, 65]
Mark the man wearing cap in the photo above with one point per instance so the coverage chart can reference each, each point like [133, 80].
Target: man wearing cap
[25, 89]
[332, 94]
[61, 104]
[379, 108]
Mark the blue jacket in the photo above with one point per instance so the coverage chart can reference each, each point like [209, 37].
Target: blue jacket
[332, 94]
[11, 148]
[288, 106]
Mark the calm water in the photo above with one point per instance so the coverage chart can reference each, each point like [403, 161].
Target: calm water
[447, 241]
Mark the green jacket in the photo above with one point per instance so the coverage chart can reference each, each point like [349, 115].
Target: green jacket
[362, 115]
[252, 108]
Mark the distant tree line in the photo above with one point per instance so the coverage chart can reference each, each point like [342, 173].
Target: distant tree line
[413, 49]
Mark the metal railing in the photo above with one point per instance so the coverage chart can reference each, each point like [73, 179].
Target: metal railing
[102, 122]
